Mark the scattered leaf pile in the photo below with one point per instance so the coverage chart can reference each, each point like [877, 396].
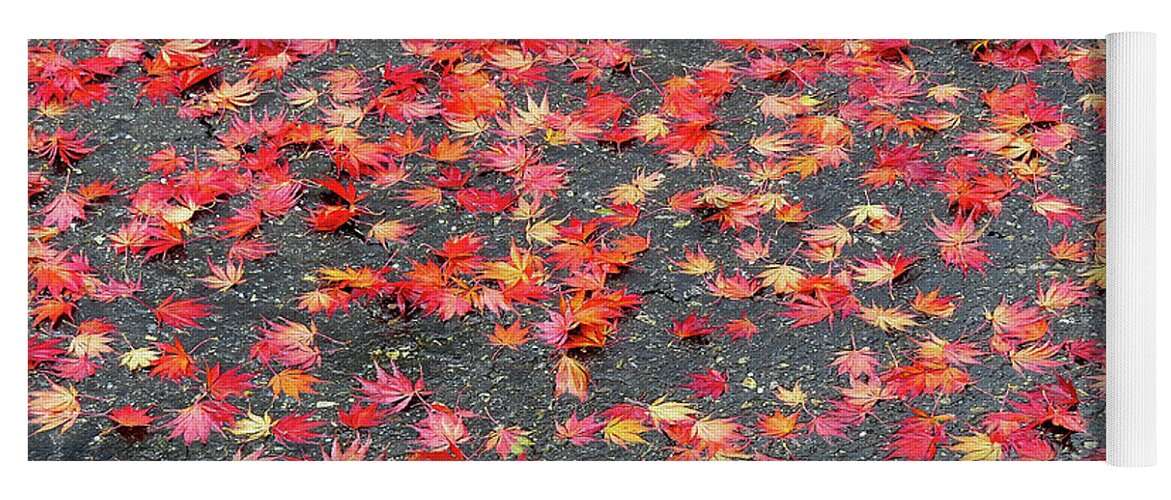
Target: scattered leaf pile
[553, 249]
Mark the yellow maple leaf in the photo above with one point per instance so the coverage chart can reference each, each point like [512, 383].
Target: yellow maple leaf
[636, 191]
[363, 277]
[670, 412]
[1095, 275]
[880, 272]
[771, 143]
[718, 437]
[344, 136]
[135, 359]
[544, 231]
[89, 345]
[947, 92]
[782, 277]
[835, 235]
[867, 213]
[1093, 102]
[521, 265]
[623, 431]
[54, 407]
[888, 318]
[977, 447]
[536, 114]
[793, 397]
[251, 427]
[302, 98]
[650, 127]
[803, 165]
[462, 129]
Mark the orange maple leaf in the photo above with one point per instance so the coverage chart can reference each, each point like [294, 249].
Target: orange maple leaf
[932, 304]
[448, 151]
[294, 382]
[1036, 358]
[390, 230]
[511, 337]
[778, 425]
[572, 377]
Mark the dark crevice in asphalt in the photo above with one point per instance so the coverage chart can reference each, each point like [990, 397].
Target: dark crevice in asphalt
[662, 293]
[208, 128]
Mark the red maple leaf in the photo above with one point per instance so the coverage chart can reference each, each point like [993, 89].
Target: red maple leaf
[296, 428]
[327, 218]
[484, 200]
[250, 249]
[51, 309]
[448, 151]
[196, 422]
[741, 328]
[829, 425]
[918, 378]
[181, 314]
[856, 363]
[902, 162]
[959, 243]
[580, 431]
[356, 451]
[733, 287]
[43, 350]
[809, 310]
[443, 429]
[361, 417]
[61, 272]
[711, 383]
[60, 146]
[242, 223]
[166, 161]
[919, 436]
[129, 416]
[64, 209]
[1016, 323]
[555, 331]
[394, 390]
[462, 252]
[1056, 209]
[691, 326]
[290, 343]
[222, 384]
[75, 368]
